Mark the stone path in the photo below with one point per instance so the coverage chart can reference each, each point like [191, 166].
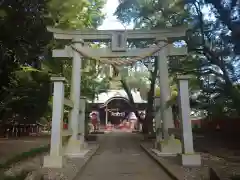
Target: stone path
[121, 158]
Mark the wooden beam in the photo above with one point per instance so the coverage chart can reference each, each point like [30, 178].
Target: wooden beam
[68, 103]
[66, 133]
[62, 53]
[176, 131]
[177, 51]
[107, 52]
[94, 35]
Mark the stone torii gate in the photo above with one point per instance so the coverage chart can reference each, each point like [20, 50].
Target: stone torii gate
[75, 145]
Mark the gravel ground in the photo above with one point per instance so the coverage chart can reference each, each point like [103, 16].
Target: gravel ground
[34, 165]
[71, 167]
[221, 154]
[216, 153]
[212, 152]
[226, 169]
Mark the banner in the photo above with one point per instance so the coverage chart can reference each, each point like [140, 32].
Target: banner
[118, 114]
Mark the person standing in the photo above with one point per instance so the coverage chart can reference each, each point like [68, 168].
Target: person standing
[94, 120]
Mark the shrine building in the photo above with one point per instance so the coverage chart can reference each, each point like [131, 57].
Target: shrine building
[114, 106]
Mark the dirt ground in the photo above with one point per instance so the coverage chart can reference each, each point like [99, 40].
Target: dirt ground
[219, 144]
[12, 147]
[219, 151]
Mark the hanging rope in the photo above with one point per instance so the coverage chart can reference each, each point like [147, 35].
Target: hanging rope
[118, 61]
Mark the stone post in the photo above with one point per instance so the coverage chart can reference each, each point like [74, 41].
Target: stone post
[106, 115]
[54, 160]
[82, 121]
[158, 124]
[73, 147]
[82, 115]
[189, 158]
[166, 112]
[169, 145]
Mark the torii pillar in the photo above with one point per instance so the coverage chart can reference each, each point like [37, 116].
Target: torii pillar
[55, 158]
[189, 157]
[75, 144]
[169, 144]
[158, 124]
[82, 122]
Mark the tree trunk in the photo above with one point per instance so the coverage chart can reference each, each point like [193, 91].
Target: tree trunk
[129, 94]
[149, 111]
[148, 121]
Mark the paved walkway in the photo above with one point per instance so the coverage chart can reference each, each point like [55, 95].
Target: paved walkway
[121, 158]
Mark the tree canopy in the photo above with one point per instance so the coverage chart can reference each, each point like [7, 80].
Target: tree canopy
[213, 44]
[25, 50]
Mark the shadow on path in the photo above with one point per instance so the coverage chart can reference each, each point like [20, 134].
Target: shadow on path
[121, 158]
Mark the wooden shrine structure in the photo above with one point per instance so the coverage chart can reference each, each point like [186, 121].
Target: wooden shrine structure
[115, 109]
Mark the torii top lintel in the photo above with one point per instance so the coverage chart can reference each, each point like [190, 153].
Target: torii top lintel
[119, 38]
[92, 35]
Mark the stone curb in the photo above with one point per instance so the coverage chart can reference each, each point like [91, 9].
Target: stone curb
[86, 161]
[163, 166]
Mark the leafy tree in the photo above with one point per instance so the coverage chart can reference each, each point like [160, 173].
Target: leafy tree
[25, 49]
[138, 81]
[76, 14]
[216, 59]
[150, 15]
[213, 44]
[23, 39]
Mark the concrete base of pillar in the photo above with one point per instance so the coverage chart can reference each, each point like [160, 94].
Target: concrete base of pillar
[159, 153]
[172, 146]
[156, 145]
[73, 147]
[191, 160]
[53, 162]
[84, 145]
[80, 154]
[159, 138]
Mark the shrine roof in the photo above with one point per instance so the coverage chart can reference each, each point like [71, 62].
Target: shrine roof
[103, 97]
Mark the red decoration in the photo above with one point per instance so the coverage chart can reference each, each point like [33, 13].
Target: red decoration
[65, 125]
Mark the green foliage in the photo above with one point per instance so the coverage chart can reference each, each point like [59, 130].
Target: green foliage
[213, 58]
[76, 14]
[25, 54]
[152, 14]
[22, 41]
[139, 81]
[216, 63]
